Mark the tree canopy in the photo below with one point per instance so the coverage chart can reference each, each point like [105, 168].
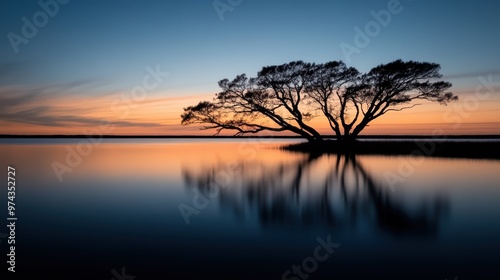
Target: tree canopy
[286, 97]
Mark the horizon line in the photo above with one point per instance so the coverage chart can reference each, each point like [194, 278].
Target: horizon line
[477, 136]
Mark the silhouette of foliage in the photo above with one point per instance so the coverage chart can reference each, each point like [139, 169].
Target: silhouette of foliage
[286, 97]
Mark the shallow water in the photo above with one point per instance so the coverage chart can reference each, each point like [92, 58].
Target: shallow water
[237, 209]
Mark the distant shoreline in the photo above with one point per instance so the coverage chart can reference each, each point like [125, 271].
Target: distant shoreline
[450, 146]
[428, 148]
[253, 136]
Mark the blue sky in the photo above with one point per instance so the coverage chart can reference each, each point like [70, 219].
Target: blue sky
[104, 46]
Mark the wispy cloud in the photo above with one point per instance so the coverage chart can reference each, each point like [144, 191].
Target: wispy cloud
[472, 74]
[43, 115]
[58, 106]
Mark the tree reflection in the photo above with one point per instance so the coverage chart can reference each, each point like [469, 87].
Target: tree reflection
[303, 193]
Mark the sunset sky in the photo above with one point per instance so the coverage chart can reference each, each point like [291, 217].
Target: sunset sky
[67, 67]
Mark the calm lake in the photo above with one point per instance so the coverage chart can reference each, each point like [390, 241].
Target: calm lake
[245, 209]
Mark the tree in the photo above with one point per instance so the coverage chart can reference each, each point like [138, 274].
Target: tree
[331, 90]
[361, 99]
[286, 97]
[273, 101]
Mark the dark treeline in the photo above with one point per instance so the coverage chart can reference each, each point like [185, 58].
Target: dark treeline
[452, 146]
[449, 149]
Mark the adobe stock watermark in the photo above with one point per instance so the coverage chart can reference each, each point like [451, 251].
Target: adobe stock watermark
[223, 6]
[363, 37]
[49, 9]
[122, 276]
[310, 264]
[454, 115]
[122, 105]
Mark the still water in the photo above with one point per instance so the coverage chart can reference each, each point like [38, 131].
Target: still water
[204, 209]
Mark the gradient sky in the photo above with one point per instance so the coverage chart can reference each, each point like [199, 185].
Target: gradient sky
[80, 66]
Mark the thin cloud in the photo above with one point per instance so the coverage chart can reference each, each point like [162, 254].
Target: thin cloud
[45, 106]
[43, 116]
[472, 74]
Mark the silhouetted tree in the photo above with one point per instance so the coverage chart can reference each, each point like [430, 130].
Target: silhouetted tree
[332, 89]
[273, 101]
[286, 97]
[394, 87]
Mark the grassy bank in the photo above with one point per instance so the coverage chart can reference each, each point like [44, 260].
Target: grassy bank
[452, 149]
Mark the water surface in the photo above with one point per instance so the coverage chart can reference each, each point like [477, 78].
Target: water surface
[245, 209]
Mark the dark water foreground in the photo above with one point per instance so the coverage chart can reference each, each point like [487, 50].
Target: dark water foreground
[198, 209]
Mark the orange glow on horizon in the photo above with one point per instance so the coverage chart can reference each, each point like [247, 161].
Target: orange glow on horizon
[161, 116]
